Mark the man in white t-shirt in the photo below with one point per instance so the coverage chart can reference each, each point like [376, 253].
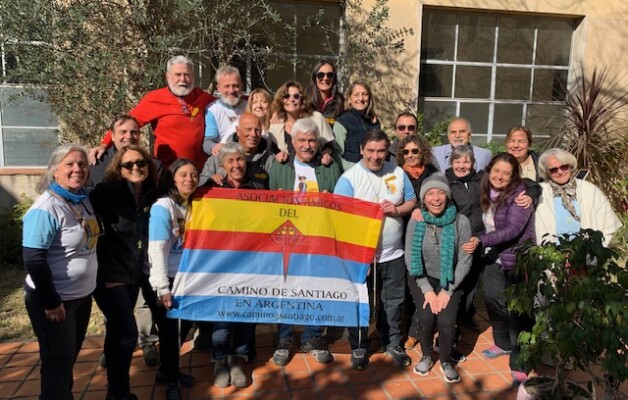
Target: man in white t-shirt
[222, 114]
[303, 172]
[376, 180]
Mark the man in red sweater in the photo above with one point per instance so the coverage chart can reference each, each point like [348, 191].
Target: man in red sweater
[176, 116]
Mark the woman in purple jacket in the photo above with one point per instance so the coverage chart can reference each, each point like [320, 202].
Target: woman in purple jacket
[507, 225]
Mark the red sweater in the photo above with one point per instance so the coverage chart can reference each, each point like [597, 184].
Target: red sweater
[178, 124]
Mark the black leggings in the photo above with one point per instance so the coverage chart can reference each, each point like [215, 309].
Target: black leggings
[445, 320]
[117, 304]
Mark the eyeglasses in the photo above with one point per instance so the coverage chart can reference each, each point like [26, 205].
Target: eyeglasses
[405, 152]
[296, 96]
[562, 168]
[321, 75]
[129, 164]
[411, 128]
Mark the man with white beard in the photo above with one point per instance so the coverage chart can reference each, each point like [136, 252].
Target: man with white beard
[175, 113]
[221, 115]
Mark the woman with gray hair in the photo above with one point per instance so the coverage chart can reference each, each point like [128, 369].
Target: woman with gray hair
[59, 249]
[568, 204]
[233, 343]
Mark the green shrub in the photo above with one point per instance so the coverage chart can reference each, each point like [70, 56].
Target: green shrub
[11, 233]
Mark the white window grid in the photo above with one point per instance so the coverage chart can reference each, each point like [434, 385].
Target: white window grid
[492, 101]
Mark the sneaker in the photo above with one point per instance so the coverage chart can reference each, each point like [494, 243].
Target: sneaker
[185, 380]
[281, 356]
[150, 355]
[102, 361]
[518, 377]
[410, 343]
[222, 376]
[173, 392]
[457, 356]
[424, 366]
[236, 370]
[359, 359]
[494, 352]
[449, 373]
[318, 350]
[399, 356]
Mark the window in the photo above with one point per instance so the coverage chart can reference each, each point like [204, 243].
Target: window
[28, 129]
[497, 70]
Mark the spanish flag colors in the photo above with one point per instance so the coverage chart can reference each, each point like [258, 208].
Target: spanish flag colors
[276, 257]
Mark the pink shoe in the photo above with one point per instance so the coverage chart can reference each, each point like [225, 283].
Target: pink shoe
[518, 377]
[494, 351]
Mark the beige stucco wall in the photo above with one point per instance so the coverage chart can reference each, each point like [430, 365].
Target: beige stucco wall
[14, 185]
[600, 39]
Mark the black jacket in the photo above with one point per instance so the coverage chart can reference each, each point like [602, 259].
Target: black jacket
[465, 193]
[122, 250]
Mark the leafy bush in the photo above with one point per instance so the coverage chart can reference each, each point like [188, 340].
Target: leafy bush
[11, 233]
[576, 290]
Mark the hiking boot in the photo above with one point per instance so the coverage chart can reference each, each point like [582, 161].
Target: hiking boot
[424, 366]
[318, 350]
[184, 380]
[359, 359]
[222, 377]
[399, 356]
[410, 343]
[150, 355]
[173, 392]
[281, 356]
[236, 371]
[450, 373]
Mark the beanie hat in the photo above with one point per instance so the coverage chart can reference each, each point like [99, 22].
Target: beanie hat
[435, 181]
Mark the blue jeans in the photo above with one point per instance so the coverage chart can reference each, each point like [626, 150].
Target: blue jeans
[223, 334]
[310, 333]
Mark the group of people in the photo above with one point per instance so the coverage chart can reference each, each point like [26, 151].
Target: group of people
[453, 216]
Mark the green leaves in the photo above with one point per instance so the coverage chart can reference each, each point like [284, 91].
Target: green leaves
[578, 295]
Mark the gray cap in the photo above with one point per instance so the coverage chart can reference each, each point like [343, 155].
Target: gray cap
[435, 181]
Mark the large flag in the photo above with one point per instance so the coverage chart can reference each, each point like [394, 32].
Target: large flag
[276, 257]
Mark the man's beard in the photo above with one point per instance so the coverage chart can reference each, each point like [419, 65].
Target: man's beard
[231, 101]
[180, 91]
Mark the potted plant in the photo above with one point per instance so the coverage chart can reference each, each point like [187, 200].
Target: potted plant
[578, 295]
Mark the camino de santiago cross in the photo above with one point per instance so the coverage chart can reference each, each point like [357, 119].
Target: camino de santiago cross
[287, 236]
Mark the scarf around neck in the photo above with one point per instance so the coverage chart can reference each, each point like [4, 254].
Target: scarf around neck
[447, 244]
[414, 172]
[567, 194]
[73, 198]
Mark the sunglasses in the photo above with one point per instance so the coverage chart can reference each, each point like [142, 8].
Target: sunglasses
[321, 75]
[405, 152]
[129, 164]
[411, 128]
[562, 168]
[296, 96]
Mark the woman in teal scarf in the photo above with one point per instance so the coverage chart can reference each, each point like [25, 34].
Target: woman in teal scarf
[435, 258]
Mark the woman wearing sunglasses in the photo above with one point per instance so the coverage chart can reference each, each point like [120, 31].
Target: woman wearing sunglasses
[414, 157]
[290, 105]
[323, 91]
[59, 248]
[123, 203]
[351, 126]
[567, 204]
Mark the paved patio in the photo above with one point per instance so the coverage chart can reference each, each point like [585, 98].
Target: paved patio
[302, 378]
